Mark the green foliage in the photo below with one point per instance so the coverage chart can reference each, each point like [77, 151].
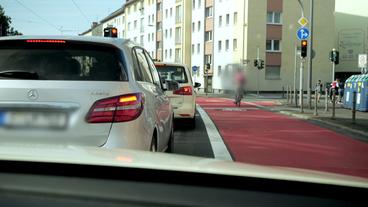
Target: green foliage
[5, 25]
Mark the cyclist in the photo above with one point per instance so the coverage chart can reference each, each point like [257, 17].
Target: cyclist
[239, 86]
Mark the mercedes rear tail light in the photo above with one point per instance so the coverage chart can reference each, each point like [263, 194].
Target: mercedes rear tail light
[186, 90]
[116, 109]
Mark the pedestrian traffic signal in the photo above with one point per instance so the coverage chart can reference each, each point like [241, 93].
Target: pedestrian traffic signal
[110, 32]
[256, 63]
[304, 48]
[259, 63]
[335, 56]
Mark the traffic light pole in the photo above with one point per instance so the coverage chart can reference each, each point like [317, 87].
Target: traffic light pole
[333, 71]
[310, 51]
[258, 74]
[301, 92]
[295, 70]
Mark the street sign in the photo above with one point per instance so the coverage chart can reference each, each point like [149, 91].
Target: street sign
[362, 61]
[195, 68]
[302, 33]
[303, 21]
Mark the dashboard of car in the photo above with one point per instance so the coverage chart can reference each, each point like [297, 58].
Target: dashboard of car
[52, 184]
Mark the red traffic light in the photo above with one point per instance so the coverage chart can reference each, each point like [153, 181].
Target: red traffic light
[304, 47]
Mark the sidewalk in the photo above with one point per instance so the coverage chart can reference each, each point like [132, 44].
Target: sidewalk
[342, 121]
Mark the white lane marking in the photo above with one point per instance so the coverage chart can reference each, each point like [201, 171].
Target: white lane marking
[218, 146]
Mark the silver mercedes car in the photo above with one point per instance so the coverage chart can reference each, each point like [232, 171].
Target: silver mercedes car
[82, 91]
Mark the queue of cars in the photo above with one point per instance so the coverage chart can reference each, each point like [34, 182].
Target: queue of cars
[79, 91]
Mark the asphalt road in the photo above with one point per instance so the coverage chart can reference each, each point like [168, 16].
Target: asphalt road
[192, 141]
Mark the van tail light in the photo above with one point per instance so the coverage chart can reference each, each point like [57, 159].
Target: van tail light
[186, 91]
[116, 109]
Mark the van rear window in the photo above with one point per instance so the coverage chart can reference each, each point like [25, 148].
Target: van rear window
[69, 61]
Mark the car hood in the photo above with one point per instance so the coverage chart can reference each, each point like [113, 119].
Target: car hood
[172, 162]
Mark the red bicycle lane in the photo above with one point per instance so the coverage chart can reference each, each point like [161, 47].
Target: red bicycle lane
[262, 137]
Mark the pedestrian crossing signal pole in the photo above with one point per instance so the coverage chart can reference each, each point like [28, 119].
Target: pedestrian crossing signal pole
[303, 55]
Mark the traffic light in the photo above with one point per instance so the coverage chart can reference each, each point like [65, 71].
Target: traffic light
[110, 32]
[256, 63]
[261, 65]
[304, 48]
[335, 56]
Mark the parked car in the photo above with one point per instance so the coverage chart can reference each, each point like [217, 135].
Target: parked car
[184, 98]
[82, 91]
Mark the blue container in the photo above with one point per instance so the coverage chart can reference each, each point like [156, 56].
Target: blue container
[362, 93]
[348, 92]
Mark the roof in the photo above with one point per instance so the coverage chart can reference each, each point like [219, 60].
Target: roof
[103, 40]
[113, 14]
[128, 2]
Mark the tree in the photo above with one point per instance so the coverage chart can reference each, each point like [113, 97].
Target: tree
[5, 25]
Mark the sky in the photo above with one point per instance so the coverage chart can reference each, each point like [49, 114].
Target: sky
[72, 17]
[55, 17]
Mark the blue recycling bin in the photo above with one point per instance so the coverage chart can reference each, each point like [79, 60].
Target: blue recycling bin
[362, 93]
[348, 92]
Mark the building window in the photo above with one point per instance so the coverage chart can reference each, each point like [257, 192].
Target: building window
[135, 39]
[142, 40]
[273, 17]
[166, 13]
[198, 48]
[159, 25]
[193, 4]
[159, 6]
[199, 26]
[178, 35]
[199, 4]
[170, 12]
[135, 7]
[135, 24]
[235, 44]
[272, 73]
[153, 18]
[219, 46]
[220, 21]
[273, 45]
[235, 18]
[207, 59]
[170, 53]
[178, 15]
[193, 27]
[177, 55]
[128, 26]
[227, 45]
[208, 36]
[227, 19]
[153, 36]
[149, 19]
[193, 49]
[159, 45]
[165, 53]
[208, 12]
[142, 25]
[149, 37]
[219, 70]
[170, 32]
[165, 33]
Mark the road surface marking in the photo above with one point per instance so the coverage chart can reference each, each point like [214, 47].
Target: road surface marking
[218, 146]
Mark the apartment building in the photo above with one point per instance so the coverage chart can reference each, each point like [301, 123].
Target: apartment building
[235, 30]
[221, 36]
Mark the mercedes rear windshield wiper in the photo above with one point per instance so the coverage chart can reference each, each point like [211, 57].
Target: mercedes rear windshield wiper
[19, 74]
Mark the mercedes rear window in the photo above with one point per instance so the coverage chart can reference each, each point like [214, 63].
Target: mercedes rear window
[60, 60]
[172, 73]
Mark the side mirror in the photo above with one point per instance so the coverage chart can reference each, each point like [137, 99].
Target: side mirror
[172, 85]
[197, 85]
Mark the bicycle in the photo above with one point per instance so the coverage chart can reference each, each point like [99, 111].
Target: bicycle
[238, 97]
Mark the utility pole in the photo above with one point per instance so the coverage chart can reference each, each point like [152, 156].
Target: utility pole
[310, 50]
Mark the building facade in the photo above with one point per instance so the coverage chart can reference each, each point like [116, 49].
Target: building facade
[219, 37]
